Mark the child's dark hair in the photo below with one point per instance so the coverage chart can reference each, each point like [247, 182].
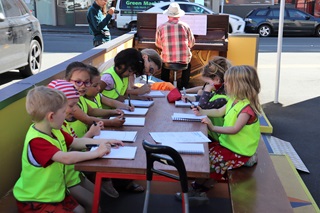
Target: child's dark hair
[130, 58]
[93, 71]
[75, 66]
[216, 67]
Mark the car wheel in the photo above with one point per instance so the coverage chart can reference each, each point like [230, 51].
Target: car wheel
[34, 60]
[264, 30]
[317, 33]
[132, 26]
[230, 29]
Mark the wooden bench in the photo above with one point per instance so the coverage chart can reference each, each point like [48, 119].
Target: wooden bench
[8, 203]
[258, 188]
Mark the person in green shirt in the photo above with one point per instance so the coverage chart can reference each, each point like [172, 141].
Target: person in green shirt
[98, 20]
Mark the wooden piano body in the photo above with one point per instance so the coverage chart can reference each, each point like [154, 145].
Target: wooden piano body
[214, 43]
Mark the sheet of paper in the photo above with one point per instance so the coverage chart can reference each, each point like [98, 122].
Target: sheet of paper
[186, 148]
[125, 136]
[154, 94]
[140, 103]
[197, 23]
[187, 117]
[179, 137]
[181, 103]
[137, 111]
[133, 121]
[122, 152]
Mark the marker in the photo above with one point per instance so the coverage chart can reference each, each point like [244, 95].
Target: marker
[129, 100]
[94, 123]
[147, 79]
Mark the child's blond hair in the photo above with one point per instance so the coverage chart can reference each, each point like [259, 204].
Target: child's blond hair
[242, 82]
[41, 100]
[216, 67]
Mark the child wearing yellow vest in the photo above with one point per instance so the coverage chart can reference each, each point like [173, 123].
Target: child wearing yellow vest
[42, 186]
[78, 74]
[213, 95]
[240, 133]
[116, 82]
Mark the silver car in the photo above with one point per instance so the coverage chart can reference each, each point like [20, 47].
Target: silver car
[21, 43]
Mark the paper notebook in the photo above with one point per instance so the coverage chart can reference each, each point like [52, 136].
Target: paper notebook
[187, 117]
[181, 103]
[137, 111]
[179, 137]
[186, 148]
[124, 136]
[139, 103]
[154, 94]
[133, 121]
[122, 152]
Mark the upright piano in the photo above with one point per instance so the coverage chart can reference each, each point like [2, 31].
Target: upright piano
[214, 43]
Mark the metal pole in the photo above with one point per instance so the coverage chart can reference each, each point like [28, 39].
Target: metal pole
[279, 50]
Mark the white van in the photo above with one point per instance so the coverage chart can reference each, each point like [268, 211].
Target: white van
[125, 16]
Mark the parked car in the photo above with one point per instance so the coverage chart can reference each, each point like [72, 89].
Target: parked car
[265, 21]
[236, 23]
[125, 16]
[21, 44]
[70, 5]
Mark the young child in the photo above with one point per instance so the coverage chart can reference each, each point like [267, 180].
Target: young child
[240, 133]
[116, 82]
[96, 100]
[78, 183]
[42, 186]
[79, 74]
[213, 95]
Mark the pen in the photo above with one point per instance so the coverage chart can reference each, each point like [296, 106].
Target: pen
[185, 94]
[192, 104]
[204, 86]
[129, 100]
[94, 123]
[147, 79]
[96, 145]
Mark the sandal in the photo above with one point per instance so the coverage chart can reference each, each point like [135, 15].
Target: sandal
[199, 187]
[134, 187]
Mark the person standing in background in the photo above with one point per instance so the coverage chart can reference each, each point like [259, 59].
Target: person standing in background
[175, 39]
[98, 19]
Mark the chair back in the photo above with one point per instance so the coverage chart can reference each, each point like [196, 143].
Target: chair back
[168, 156]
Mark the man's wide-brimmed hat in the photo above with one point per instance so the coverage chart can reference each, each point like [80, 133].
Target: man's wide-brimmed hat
[174, 10]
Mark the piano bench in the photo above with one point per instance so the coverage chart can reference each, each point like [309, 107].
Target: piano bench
[175, 67]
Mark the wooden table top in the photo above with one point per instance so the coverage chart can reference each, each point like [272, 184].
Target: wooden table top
[158, 119]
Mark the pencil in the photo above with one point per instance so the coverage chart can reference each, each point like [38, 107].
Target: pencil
[129, 100]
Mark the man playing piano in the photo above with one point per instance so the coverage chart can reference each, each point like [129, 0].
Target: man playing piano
[175, 39]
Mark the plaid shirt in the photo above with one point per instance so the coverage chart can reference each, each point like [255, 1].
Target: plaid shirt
[175, 39]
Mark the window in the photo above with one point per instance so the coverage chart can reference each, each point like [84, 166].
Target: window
[262, 12]
[10, 8]
[296, 14]
[274, 13]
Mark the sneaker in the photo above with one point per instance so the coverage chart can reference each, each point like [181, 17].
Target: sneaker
[107, 187]
[195, 198]
[253, 160]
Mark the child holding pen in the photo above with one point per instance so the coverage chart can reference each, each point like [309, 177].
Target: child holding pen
[116, 82]
[42, 186]
[213, 92]
[240, 133]
[79, 75]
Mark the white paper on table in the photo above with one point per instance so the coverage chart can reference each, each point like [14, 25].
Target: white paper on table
[179, 137]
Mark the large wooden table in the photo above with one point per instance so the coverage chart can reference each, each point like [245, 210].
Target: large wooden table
[158, 119]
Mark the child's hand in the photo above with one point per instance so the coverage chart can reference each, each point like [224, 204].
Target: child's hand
[146, 88]
[118, 112]
[207, 121]
[145, 98]
[131, 108]
[118, 121]
[197, 110]
[95, 128]
[209, 88]
[115, 143]
[103, 149]
[185, 97]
